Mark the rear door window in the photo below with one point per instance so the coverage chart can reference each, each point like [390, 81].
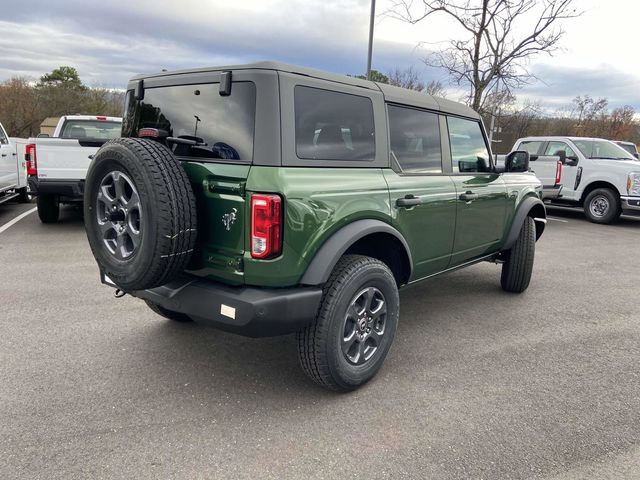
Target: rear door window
[469, 151]
[333, 125]
[93, 129]
[196, 121]
[415, 140]
[554, 147]
[533, 147]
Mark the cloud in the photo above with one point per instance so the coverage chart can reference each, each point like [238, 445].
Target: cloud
[109, 42]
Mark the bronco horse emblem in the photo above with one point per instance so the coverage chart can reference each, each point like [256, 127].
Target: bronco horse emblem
[229, 218]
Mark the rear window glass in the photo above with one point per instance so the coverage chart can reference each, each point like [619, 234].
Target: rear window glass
[333, 125]
[79, 129]
[196, 121]
[415, 140]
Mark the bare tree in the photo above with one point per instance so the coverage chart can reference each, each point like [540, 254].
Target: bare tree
[501, 37]
[409, 78]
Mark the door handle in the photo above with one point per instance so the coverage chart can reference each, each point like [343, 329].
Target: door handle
[4, 154]
[408, 201]
[468, 197]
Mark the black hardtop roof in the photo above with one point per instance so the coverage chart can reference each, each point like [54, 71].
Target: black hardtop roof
[392, 94]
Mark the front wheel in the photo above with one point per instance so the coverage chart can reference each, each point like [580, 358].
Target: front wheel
[602, 206]
[347, 343]
[518, 265]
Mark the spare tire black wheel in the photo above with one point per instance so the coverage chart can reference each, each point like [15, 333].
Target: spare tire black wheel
[139, 213]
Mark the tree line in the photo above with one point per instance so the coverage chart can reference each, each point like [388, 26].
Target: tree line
[25, 103]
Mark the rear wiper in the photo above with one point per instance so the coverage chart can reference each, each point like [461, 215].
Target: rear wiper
[183, 141]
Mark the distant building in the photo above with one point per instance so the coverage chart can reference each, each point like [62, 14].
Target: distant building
[48, 125]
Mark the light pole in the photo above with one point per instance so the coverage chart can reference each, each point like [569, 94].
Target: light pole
[373, 15]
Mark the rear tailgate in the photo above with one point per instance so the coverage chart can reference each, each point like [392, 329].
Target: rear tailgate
[65, 159]
[546, 169]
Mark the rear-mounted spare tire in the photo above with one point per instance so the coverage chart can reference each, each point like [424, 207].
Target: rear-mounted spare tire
[139, 213]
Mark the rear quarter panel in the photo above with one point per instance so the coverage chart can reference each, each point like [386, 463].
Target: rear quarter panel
[317, 203]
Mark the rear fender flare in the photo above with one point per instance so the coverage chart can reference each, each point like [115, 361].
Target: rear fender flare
[327, 256]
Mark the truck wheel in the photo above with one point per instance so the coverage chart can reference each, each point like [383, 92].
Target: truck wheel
[48, 208]
[139, 213]
[602, 206]
[518, 265]
[348, 341]
[24, 195]
[170, 314]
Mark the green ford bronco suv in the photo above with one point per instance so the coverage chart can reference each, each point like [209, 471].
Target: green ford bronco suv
[268, 199]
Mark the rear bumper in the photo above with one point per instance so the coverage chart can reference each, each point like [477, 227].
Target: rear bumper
[630, 204]
[68, 189]
[248, 311]
[551, 192]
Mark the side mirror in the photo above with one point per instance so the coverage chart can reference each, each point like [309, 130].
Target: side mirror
[562, 155]
[533, 158]
[572, 161]
[517, 161]
[637, 155]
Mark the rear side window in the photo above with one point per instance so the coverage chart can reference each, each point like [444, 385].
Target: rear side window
[415, 140]
[554, 147]
[333, 125]
[101, 129]
[196, 121]
[468, 149]
[533, 147]
[3, 137]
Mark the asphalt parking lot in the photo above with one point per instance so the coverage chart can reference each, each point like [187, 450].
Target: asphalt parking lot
[479, 383]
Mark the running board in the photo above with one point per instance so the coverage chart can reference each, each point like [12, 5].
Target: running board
[8, 197]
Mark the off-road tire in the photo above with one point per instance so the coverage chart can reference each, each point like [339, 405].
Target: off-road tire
[167, 213]
[48, 208]
[170, 314]
[24, 196]
[613, 211]
[319, 344]
[518, 265]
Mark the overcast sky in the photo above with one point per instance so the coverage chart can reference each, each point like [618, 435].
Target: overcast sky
[110, 41]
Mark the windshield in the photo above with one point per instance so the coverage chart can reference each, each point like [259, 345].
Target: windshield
[79, 129]
[602, 149]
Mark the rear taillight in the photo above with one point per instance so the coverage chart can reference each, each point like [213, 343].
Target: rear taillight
[101, 118]
[30, 158]
[558, 172]
[266, 226]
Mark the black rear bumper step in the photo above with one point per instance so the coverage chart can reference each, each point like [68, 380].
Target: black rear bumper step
[248, 311]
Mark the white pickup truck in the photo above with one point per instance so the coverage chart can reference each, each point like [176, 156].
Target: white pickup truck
[57, 166]
[13, 172]
[592, 173]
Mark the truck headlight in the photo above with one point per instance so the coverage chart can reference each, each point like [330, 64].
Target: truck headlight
[633, 183]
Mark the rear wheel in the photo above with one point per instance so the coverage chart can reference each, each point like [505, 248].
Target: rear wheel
[347, 343]
[170, 314]
[518, 265]
[48, 208]
[602, 206]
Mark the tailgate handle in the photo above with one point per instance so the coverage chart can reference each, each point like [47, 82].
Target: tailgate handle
[468, 197]
[408, 201]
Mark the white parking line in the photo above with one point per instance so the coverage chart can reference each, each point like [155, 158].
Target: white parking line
[17, 219]
[557, 219]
